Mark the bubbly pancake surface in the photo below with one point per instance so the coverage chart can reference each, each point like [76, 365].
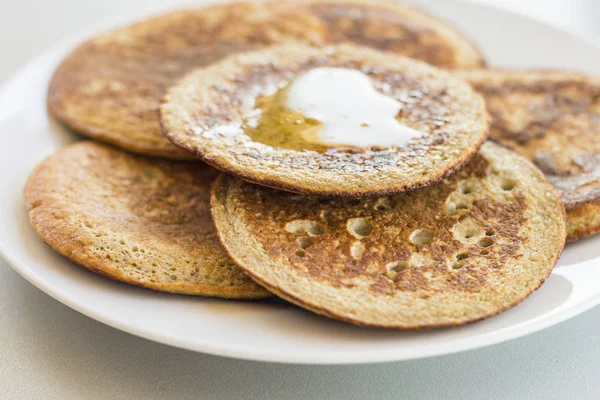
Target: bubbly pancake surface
[552, 118]
[140, 221]
[109, 87]
[455, 252]
[207, 113]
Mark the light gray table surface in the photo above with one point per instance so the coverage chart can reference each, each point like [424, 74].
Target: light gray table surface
[48, 351]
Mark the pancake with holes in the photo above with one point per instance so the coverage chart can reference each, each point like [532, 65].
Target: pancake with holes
[135, 220]
[341, 120]
[552, 118]
[458, 251]
[109, 88]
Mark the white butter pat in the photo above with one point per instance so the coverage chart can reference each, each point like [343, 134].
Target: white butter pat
[351, 111]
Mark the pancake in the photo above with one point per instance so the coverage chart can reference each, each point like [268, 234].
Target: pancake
[208, 112]
[459, 251]
[109, 87]
[552, 118]
[135, 220]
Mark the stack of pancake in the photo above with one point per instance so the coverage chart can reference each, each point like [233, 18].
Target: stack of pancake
[440, 229]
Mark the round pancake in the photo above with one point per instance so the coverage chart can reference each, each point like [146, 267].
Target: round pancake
[552, 118]
[206, 113]
[109, 87]
[455, 252]
[135, 220]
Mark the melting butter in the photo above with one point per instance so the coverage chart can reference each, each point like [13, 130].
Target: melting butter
[349, 109]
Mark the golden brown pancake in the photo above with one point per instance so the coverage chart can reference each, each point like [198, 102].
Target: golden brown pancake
[206, 113]
[109, 87]
[455, 252]
[552, 118]
[135, 220]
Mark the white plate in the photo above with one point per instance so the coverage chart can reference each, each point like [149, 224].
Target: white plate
[276, 331]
